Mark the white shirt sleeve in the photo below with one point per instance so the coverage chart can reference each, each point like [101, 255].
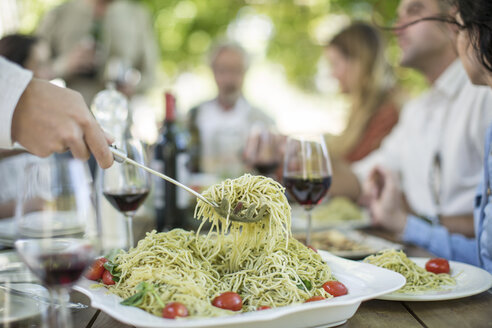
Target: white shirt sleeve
[13, 82]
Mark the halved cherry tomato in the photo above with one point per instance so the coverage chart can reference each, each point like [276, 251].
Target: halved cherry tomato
[107, 278]
[335, 288]
[437, 265]
[96, 270]
[314, 299]
[263, 307]
[313, 248]
[228, 301]
[173, 310]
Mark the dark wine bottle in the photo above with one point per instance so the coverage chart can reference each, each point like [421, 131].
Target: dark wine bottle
[170, 158]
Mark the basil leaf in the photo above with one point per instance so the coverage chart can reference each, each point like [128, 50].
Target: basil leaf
[306, 285]
[142, 286]
[113, 269]
[134, 300]
[112, 254]
[137, 299]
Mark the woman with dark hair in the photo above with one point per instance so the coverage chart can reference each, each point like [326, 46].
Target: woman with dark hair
[475, 50]
[474, 45]
[27, 51]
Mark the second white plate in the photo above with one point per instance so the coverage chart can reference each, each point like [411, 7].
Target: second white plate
[470, 280]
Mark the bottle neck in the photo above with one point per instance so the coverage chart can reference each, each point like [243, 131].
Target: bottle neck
[170, 102]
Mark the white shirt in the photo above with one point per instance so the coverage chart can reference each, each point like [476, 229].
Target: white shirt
[13, 82]
[451, 120]
[223, 134]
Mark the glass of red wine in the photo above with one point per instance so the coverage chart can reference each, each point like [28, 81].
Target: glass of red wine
[57, 229]
[126, 186]
[307, 172]
[262, 149]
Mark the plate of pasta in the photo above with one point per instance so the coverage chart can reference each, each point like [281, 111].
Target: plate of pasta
[238, 274]
[463, 280]
[336, 212]
[363, 282]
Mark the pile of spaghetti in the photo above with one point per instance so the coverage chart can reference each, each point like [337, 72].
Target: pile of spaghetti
[259, 261]
[418, 279]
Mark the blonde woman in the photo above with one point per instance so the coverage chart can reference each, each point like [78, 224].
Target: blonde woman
[356, 56]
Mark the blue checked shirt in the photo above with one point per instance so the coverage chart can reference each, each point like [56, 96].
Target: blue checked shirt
[437, 239]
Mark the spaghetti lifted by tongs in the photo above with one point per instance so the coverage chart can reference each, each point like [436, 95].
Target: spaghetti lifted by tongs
[250, 192]
[260, 261]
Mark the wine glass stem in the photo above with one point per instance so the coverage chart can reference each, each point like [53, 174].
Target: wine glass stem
[59, 316]
[129, 231]
[308, 228]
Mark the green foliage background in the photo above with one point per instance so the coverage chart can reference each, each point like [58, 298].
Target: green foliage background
[187, 28]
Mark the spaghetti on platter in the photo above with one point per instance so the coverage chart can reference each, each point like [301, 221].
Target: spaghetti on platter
[259, 261]
[418, 279]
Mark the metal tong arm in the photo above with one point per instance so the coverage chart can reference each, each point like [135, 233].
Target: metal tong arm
[121, 157]
[40, 298]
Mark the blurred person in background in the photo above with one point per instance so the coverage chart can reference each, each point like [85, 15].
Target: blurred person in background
[436, 149]
[473, 43]
[94, 42]
[219, 127]
[29, 52]
[356, 57]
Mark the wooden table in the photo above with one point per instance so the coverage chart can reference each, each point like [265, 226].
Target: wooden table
[473, 312]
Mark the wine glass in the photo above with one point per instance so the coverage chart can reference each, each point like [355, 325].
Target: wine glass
[120, 74]
[57, 228]
[307, 172]
[262, 149]
[126, 186]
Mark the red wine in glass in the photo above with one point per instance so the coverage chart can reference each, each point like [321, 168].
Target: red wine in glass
[127, 200]
[56, 262]
[266, 168]
[307, 191]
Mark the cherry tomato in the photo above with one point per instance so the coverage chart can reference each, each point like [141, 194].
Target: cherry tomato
[107, 278]
[228, 301]
[173, 310]
[263, 307]
[314, 299]
[313, 248]
[335, 288]
[437, 265]
[96, 270]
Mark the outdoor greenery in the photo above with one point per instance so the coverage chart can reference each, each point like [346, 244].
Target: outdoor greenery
[186, 29]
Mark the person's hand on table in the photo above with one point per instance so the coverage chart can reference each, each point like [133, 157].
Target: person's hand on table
[49, 119]
[383, 197]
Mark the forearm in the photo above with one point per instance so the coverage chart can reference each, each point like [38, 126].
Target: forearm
[7, 209]
[9, 153]
[344, 182]
[460, 224]
[438, 240]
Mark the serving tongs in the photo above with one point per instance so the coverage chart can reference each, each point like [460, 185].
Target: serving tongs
[239, 213]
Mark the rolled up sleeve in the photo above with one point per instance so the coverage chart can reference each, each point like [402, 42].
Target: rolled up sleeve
[437, 240]
[13, 82]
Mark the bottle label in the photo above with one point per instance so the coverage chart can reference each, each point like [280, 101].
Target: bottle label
[159, 191]
[183, 176]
